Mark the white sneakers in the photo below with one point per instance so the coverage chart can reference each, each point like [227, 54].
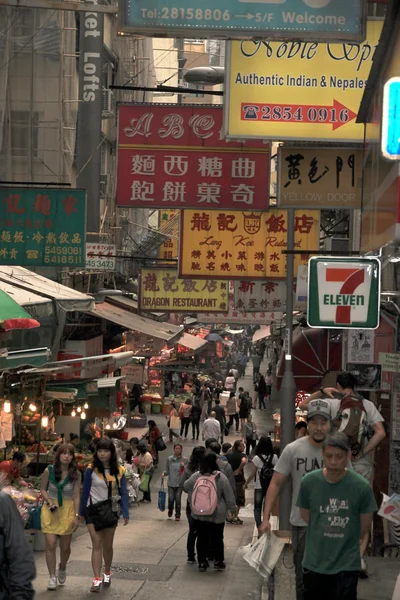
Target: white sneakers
[52, 585]
[62, 576]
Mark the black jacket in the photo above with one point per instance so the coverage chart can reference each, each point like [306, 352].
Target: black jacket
[219, 414]
[17, 565]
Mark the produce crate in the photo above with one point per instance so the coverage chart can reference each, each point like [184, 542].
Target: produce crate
[156, 408]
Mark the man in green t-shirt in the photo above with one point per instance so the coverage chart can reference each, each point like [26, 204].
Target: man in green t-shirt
[338, 505]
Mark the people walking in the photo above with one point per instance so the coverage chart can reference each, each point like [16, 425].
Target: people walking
[256, 360]
[174, 468]
[243, 360]
[237, 459]
[211, 499]
[185, 410]
[297, 459]
[220, 416]
[211, 428]
[193, 466]
[244, 407]
[261, 389]
[173, 421]
[230, 382]
[232, 412]
[153, 435]
[300, 429]
[268, 383]
[135, 398]
[146, 470]
[338, 505]
[17, 564]
[250, 435]
[262, 468]
[223, 465]
[195, 416]
[104, 493]
[60, 489]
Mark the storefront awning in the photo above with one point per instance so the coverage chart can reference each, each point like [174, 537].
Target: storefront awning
[191, 341]
[33, 357]
[67, 298]
[13, 316]
[108, 382]
[262, 333]
[116, 314]
[112, 361]
[37, 306]
[132, 306]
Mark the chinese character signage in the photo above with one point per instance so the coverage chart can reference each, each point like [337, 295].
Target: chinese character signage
[240, 317]
[263, 295]
[237, 245]
[161, 289]
[320, 177]
[281, 19]
[169, 249]
[174, 157]
[100, 257]
[297, 90]
[42, 227]
[344, 293]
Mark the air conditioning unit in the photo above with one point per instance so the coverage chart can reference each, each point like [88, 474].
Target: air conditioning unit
[104, 180]
[107, 109]
[337, 244]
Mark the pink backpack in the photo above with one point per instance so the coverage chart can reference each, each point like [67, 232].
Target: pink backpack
[205, 495]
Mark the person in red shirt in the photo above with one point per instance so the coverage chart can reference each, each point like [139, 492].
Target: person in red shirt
[12, 467]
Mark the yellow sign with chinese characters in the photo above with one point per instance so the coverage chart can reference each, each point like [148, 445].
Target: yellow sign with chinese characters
[319, 177]
[298, 90]
[237, 245]
[162, 289]
[169, 249]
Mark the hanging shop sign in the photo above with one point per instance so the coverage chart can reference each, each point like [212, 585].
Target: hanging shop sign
[169, 249]
[298, 90]
[240, 317]
[282, 19]
[173, 156]
[390, 132]
[390, 361]
[360, 345]
[163, 289]
[239, 245]
[319, 177]
[100, 257]
[263, 295]
[42, 227]
[344, 293]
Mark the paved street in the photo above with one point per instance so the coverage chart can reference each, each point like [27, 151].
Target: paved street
[150, 553]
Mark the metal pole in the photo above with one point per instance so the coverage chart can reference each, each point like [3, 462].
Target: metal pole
[288, 387]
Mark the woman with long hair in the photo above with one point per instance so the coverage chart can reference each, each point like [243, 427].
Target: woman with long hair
[261, 389]
[195, 416]
[192, 467]
[263, 456]
[173, 414]
[210, 528]
[60, 488]
[104, 489]
[146, 468]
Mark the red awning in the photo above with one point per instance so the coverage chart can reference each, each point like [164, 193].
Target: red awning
[315, 353]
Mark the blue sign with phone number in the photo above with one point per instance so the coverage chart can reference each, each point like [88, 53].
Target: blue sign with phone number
[320, 20]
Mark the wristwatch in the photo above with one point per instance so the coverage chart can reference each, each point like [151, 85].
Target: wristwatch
[321, 389]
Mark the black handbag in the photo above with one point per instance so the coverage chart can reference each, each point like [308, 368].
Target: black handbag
[102, 514]
[159, 444]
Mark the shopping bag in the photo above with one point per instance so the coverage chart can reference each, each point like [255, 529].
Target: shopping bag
[162, 496]
[160, 445]
[174, 422]
[264, 554]
[35, 517]
[144, 482]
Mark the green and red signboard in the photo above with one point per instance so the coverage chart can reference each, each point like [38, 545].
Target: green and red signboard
[344, 293]
[42, 227]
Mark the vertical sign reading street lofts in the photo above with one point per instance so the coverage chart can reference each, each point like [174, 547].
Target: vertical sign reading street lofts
[42, 227]
[279, 19]
[174, 157]
[304, 91]
[237, 245]
[344, 293]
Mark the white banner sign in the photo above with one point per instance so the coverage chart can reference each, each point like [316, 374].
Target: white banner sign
[100, 257]
[390, 362]
[239, 317]
[266, 295]
[360, 345]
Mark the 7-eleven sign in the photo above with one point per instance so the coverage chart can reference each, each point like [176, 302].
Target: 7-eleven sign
[344, 292]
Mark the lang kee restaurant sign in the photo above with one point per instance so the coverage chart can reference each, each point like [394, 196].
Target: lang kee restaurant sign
[237, 245]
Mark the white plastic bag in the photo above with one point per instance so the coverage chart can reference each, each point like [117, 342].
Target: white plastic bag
[264, 554]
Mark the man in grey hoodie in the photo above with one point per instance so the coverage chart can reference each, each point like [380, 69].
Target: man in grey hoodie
[173, 470]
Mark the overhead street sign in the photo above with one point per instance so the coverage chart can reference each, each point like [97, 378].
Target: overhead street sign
[343, 293]
[300, 90]
[332, 20]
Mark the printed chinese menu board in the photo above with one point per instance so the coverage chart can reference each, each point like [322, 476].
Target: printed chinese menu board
[175, 157]
[42, 227]
[236, 245]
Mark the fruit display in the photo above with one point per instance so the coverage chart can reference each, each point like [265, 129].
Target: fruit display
[26, 436]
[35, 447]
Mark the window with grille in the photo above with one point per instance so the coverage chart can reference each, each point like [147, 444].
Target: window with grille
[22, 122]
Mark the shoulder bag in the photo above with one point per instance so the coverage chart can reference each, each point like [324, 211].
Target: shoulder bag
[102, 514]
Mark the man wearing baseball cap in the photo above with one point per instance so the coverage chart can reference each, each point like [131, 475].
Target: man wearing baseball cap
[298, 458]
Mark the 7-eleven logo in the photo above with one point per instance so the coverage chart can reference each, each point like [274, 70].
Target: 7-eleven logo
[350, 279]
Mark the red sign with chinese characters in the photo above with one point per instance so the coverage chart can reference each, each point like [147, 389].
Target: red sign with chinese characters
[174, 157]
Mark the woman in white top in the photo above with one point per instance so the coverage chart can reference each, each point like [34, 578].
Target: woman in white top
[262, 469]
[230, 382]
